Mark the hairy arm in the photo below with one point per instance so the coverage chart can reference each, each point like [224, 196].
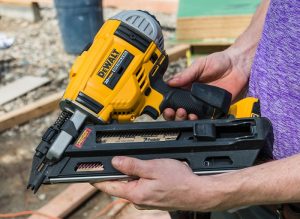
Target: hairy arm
[170, 185]
[269, 183]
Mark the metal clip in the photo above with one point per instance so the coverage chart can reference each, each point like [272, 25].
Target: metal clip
[279, 212]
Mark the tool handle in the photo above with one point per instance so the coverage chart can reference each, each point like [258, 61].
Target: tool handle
[203, 100]
[178, 98]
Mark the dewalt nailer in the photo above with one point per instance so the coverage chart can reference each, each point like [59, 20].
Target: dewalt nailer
[118, 78]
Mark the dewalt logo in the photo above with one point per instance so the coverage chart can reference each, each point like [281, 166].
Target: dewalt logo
[109, 62]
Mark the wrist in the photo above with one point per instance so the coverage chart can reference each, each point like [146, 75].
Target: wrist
[221, 192]
[211, 193]
[242, 58]
[244, 48]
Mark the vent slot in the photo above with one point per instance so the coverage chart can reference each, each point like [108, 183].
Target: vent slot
[235, 131]
[142, 84]
[89, 167]
[161, 43]
[138, 72]
[123, 112]
[141, 80]
[140, 77]
[217, 161]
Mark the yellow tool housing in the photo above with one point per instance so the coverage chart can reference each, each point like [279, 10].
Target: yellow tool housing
[130, 94]
[247, 107]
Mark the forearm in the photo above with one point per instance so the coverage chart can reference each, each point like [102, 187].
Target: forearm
[269, 183]
[243, 49]
[249, 39]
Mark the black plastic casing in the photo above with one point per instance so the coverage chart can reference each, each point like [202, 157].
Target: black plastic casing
[208, 146]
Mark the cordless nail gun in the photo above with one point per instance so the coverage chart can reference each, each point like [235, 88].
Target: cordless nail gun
[118, 78]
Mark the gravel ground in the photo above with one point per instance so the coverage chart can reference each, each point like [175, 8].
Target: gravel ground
[38, 51]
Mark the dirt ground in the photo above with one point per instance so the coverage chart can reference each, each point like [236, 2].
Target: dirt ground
[15, 163]
[38, 51]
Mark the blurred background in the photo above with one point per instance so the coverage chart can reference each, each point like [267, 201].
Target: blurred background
[39, 40]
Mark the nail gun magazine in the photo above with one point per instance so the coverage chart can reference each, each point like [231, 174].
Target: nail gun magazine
[120, 77]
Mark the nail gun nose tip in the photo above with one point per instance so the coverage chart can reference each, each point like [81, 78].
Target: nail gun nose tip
[31, 187]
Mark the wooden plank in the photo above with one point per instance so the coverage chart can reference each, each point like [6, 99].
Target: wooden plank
[67, 201]
[213, 19]
[205, 50]
[164, 6]
[16, 2]
[212, 27]
[129, 211]
[177, 52]
[26, 2]
[30, 111]
[206, 42]
[20, 9]
[36, 3]
[19, 87]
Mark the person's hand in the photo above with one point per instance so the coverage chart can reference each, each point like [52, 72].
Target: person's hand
[226, 69]
[164, 184]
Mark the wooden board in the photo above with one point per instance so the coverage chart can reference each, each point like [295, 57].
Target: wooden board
[30, 111]
[164, 6]
[206, 50]
[19, 87]
[129, 211]
[20, 9]
[67, 201]
[213, 19]
[16, 2]
[26, 2]
[177, 52]
[217, 27]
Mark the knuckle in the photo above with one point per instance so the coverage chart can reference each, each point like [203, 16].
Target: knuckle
[131, 165]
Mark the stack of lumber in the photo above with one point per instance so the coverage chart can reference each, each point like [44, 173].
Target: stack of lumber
[213, 19]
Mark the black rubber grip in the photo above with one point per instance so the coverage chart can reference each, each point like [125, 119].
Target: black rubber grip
[204, 100]
[179, 98]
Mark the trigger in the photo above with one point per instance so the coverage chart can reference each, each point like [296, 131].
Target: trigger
[149, 110]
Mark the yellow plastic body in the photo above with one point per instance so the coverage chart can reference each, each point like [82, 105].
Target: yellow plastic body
[126, 100]
[244, 108]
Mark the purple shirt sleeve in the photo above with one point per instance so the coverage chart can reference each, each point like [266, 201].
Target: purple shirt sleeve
[275, 75]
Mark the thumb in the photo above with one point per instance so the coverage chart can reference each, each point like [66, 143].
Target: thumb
[189, 75]
[133, 166]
